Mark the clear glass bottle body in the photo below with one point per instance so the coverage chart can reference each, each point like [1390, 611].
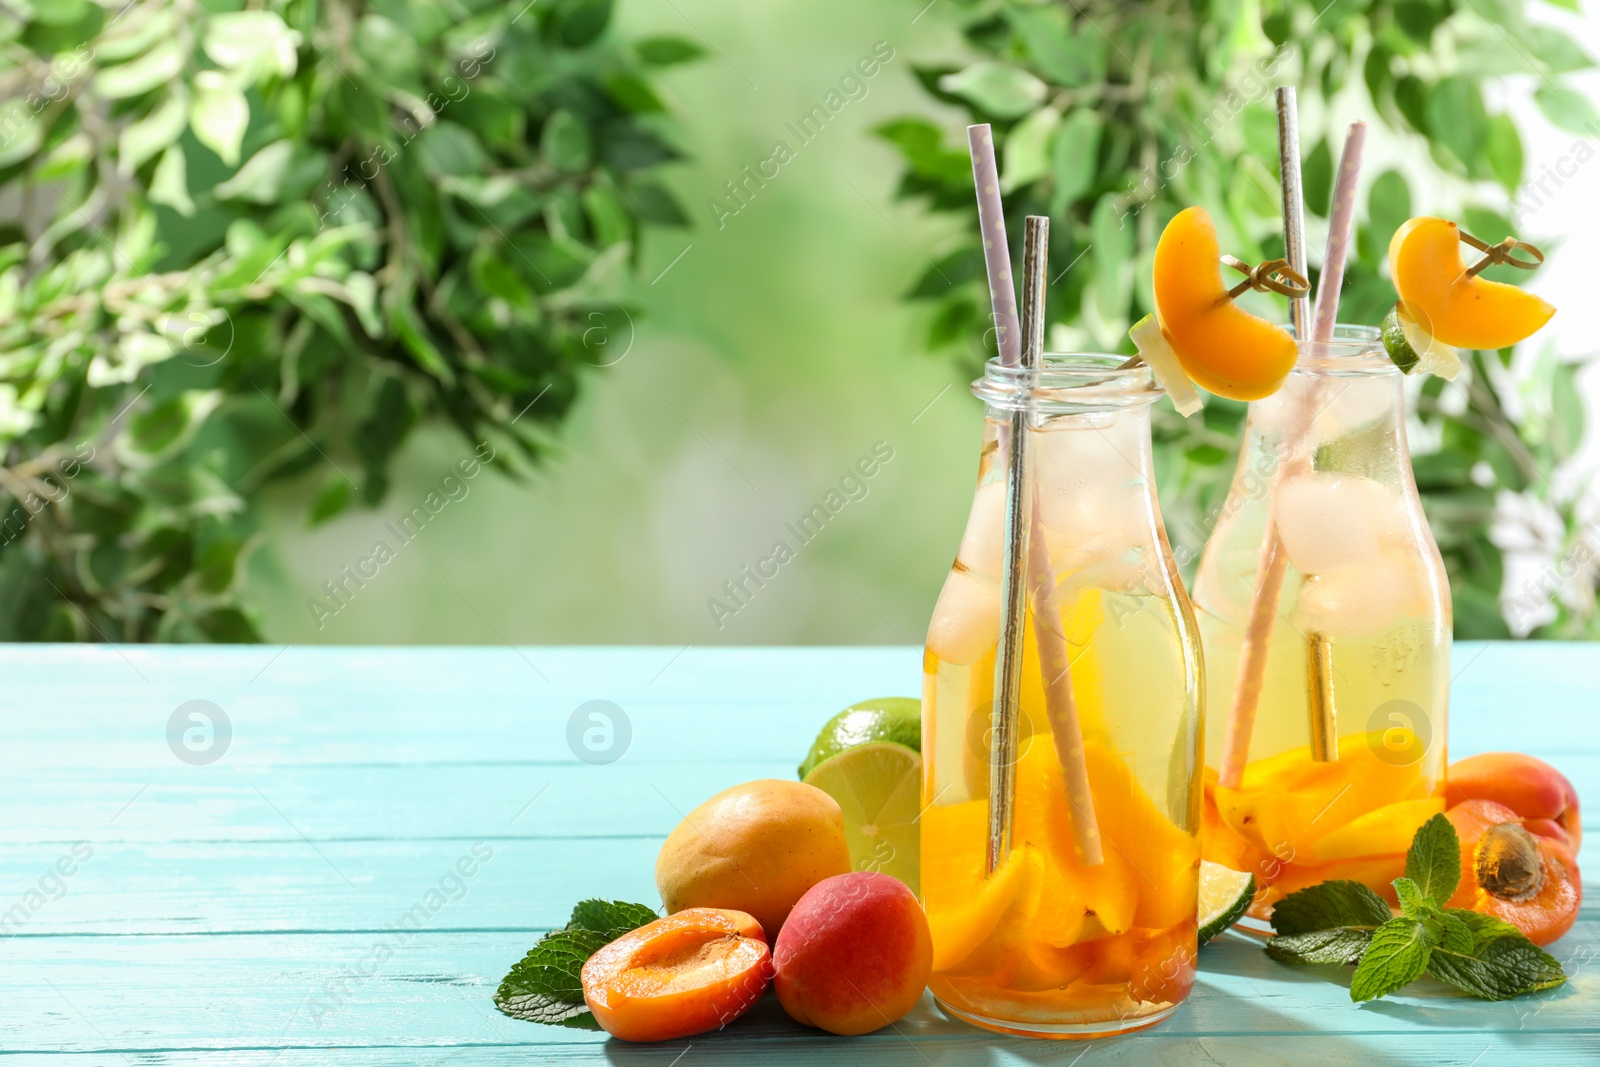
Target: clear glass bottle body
[1346, 754]
[1049, 943]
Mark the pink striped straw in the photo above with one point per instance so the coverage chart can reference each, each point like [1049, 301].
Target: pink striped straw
[1341, 223]
[996, 252]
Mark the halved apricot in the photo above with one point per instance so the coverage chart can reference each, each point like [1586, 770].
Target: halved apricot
[1222, 346]
[1531, 882]
[693, 971]
[1440, 296]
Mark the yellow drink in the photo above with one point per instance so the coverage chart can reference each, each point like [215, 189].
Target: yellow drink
[1347, 752]
[1049, 944]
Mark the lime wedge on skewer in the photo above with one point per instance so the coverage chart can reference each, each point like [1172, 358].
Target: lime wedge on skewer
[897, 719]
[879, 788]
[1224, 896]
[1414, 350]
[1156, 351]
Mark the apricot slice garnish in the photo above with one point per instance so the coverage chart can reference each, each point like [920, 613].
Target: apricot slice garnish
[1222, 346]
[693, 971]
[1449, 303]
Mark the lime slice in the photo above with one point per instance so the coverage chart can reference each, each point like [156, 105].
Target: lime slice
[879, 788]
[1224, 896]
[897, 719]
[1414, 350]
[1156, 351]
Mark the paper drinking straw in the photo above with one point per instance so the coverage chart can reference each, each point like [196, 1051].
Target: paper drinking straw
[1341, 223]
[1060, 706]
[996, 252]
[1274, 560]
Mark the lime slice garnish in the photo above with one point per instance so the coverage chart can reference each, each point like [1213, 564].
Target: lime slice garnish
[879, 789]
[1224, 896]
[897, 719]
[1414, 350]
[1156, 351]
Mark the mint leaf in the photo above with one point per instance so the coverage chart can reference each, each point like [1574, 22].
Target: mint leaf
[1396, 957]
[1329, 905]
[1340, 945]
[1434, 859]
[1454, 934]
[1502, 963]
[1484, 928]
[1413, 904]
[610, 917]
[546, 986]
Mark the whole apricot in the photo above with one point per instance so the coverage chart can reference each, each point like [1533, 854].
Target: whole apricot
[1540, 794]
[755, 848]
[855, 954]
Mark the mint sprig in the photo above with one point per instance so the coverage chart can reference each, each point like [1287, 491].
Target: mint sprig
[1342, 922]
[545, 986]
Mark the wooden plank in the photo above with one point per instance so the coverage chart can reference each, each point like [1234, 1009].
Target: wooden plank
[294, 885]
[270, 991]
[473, 705]
[337, 802]
[734, 1049]
[430, 705]
[201, 887]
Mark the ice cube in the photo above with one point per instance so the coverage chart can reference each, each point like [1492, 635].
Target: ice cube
[1361, 600]
[1329, 520]
[984, 538]
[1341, 405]
[1225, 583]
[1094, 499]
[966, 619]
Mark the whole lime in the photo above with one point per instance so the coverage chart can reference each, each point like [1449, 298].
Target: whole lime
[895, 719]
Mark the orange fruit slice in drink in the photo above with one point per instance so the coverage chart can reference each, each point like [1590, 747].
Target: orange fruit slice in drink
[965, 908]
[1222, 346]
[1449, 304]
[1288, 802]
[1165, 859]
[1383, 831]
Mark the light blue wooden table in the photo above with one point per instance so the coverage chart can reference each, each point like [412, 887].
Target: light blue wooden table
[302, 899]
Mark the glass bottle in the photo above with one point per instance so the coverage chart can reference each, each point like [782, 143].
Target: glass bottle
[1057, 941]
[1345, 756]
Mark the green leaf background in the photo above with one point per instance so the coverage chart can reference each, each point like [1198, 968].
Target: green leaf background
[273, 243]
[389, 324]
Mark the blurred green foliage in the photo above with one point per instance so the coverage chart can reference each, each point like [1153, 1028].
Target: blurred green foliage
[242, 243]
[1110, 116]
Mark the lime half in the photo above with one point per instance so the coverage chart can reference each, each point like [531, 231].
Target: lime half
[879, 788]
[1414, 350]
[897, 719]
[1224, 896]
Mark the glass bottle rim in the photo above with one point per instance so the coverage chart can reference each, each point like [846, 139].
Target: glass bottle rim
[1352, 352]
[1067, 382]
